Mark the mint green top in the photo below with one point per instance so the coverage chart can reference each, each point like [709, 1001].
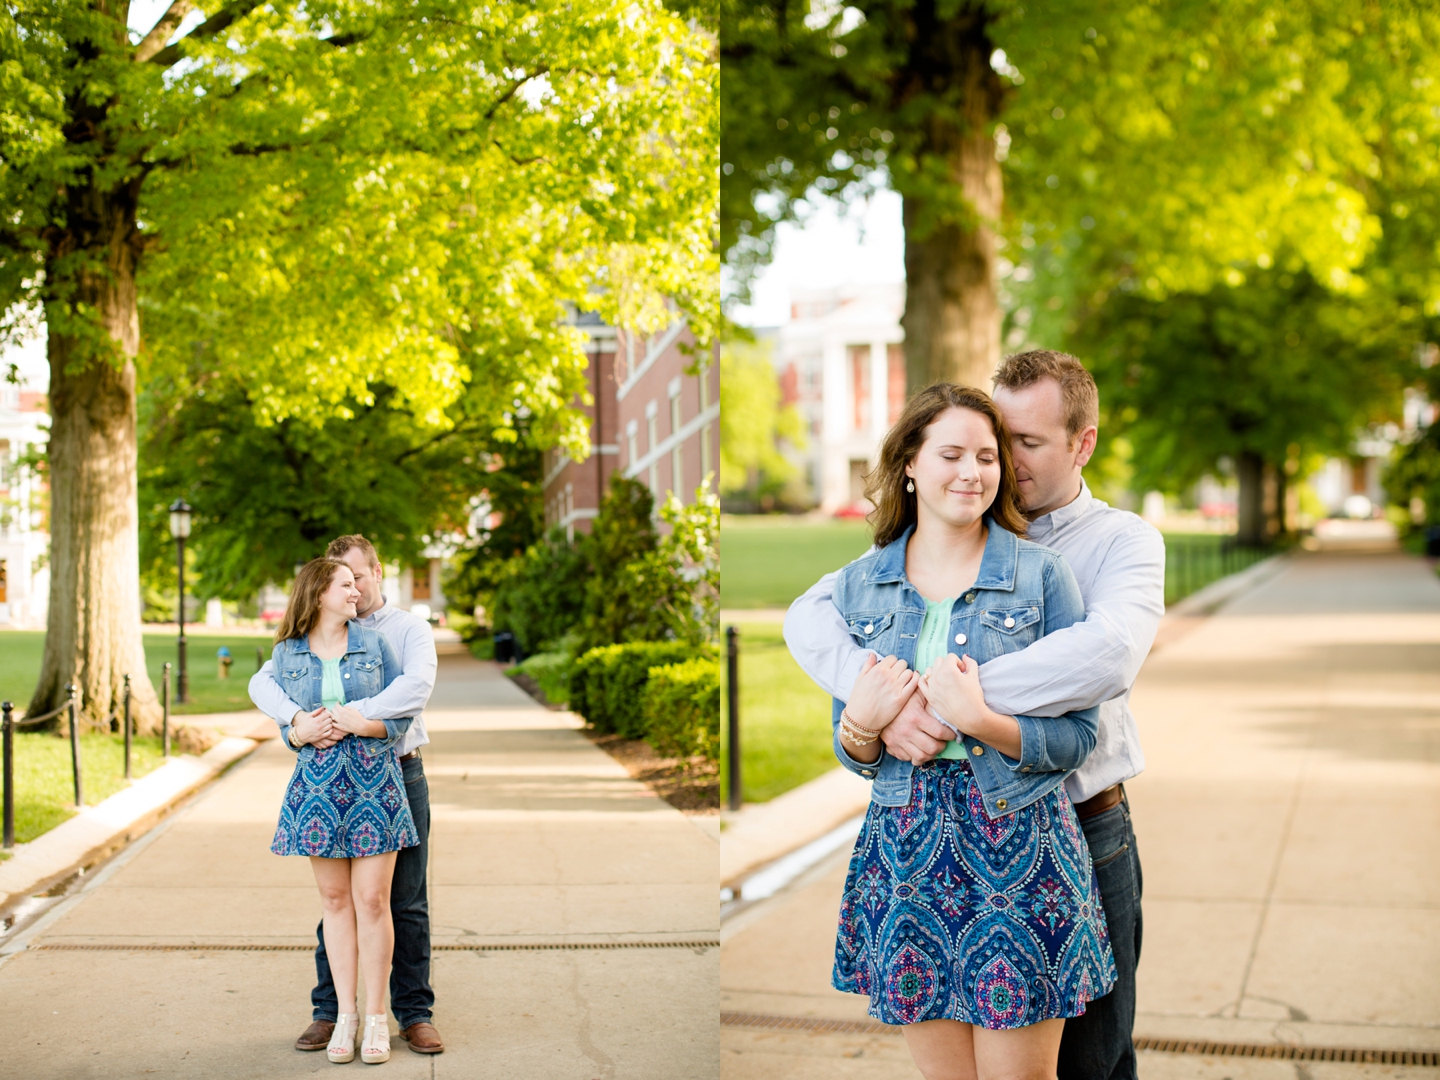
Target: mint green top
[332, 690]
[931, 647]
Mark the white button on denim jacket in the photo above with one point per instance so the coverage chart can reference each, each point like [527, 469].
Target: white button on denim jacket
[1022, 593]
[370, 665]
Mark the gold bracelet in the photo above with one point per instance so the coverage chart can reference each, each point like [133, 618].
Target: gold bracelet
[858, 735]
[854, 725]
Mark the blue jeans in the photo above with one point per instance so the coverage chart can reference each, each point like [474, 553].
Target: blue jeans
[411, 998]
[1097, 1045]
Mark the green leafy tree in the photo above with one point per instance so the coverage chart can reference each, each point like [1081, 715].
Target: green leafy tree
[1266, 375]
[313, 199]
[752, 421]
[270, 496]
[1179, 138]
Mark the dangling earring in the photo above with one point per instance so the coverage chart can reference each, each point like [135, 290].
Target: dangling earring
[910, 486]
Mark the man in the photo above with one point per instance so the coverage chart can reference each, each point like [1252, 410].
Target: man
[1051, 406]
[411, 998]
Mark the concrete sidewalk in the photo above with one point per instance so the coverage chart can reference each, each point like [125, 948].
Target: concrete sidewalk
[570, 911]
[1288, 822]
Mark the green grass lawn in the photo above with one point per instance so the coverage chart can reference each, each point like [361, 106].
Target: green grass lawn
[784, 719]
[766, 562]
[20, 668]
[44, 787]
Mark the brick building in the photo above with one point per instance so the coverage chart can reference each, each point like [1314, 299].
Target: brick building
[649, 419]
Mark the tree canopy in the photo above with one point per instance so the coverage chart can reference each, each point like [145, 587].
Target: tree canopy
[300, 203]
[1229, 207]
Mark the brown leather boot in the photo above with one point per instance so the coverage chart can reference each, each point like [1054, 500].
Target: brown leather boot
[423, 1038]
[316, 1036]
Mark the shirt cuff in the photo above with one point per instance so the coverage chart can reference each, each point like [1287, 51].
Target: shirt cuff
[850, 671]
[1032, 745]
[868, 769]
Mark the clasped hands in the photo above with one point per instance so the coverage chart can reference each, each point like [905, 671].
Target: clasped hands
[892, 698]
[324, 727]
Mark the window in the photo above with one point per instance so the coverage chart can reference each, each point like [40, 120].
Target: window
[652, 410]
[860, 384]
[895, 356]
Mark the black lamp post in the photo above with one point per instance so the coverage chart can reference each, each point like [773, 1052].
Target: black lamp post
[180, 530]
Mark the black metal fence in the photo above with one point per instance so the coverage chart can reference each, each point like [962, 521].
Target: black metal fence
[8, 724]
[1194, 561]
[7, 714]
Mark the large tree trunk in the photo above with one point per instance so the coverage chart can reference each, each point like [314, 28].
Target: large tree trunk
[93, 633]
[952, 312]
[1250, 472]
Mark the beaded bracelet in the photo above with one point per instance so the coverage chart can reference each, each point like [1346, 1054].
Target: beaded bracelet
[860, 736]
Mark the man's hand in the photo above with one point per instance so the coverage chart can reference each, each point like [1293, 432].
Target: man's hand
[348, 721]
[316, 728]
[953, 689]
[880, 691]
[915, 735]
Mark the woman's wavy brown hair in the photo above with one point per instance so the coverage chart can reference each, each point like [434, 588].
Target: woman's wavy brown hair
[303, 611]
[885, 484]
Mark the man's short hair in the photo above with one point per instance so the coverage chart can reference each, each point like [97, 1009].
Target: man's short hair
[341, 544]
[1078, 392]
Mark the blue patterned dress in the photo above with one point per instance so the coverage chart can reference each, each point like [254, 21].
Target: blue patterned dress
[949, 914]
[348, 801]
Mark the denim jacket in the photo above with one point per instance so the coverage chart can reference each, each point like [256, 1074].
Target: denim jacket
[368, 666]
[1023, 591]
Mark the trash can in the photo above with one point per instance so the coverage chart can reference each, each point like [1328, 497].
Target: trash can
[1432, 541]
[505, 648]
[222, 655]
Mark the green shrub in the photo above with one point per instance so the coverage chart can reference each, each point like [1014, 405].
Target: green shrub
[551, 670]
[607, 684]
[682, 708]
[540, 593]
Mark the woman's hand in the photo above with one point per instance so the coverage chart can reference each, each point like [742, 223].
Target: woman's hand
[953, 689]
[315, 728]
[349, 721]
[881, 691]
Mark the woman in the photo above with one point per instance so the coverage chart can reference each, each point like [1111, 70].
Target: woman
[971, 913]
[345, 807]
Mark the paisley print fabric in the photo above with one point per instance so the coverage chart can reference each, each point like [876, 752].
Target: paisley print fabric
[949, 914]
[344, 803]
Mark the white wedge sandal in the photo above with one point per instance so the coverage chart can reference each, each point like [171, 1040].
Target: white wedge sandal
[375, 1046]
[342, 1039]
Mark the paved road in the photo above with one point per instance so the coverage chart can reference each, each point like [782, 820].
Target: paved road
[1289, 825]
[540, 845]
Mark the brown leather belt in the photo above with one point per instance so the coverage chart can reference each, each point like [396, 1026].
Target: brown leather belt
[411, 754]
[1098, 804]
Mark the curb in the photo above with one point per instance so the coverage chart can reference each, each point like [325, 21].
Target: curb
[99, 831]
[762, 833]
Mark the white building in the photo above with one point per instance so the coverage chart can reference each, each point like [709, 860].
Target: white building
[24, 545]
[842, 365]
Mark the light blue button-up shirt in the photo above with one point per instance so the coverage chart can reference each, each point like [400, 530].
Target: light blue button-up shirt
[414, 644]
[1119, 562]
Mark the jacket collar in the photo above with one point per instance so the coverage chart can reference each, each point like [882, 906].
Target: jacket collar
[353, 642]
[997, 565]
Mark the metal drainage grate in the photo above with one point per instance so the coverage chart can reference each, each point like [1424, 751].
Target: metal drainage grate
[1164, 1046]
[434, 948]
